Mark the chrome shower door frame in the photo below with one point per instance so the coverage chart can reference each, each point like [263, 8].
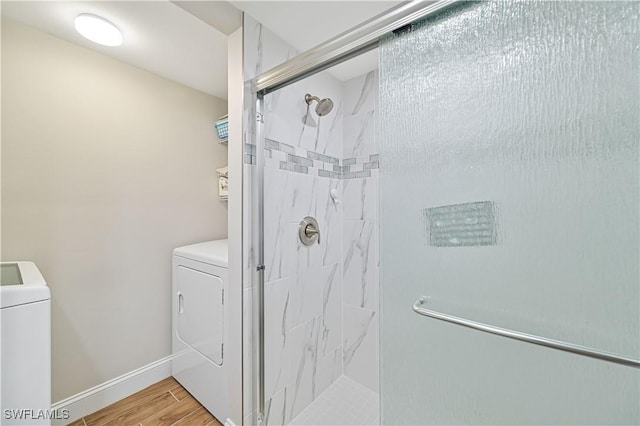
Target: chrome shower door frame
[343, 47]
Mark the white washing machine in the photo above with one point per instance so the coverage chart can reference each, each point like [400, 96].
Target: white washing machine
[200, 323]
[25, 354]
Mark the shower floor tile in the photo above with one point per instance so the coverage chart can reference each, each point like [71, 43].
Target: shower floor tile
[345, 402]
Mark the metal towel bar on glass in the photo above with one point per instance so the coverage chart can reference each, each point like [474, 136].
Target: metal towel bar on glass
[419, 308]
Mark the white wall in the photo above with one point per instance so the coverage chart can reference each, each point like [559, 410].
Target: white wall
[234, 309]
[105, 169]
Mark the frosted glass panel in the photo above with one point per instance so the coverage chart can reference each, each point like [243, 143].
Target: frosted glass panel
[510, 195]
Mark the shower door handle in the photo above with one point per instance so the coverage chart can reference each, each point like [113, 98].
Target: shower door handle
[419, 307]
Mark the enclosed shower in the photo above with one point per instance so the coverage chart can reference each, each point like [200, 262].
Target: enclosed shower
[449, 236]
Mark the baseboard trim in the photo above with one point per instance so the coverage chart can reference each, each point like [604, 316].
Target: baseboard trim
[97, 397]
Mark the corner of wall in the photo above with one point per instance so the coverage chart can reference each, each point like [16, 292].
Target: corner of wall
[235, 108]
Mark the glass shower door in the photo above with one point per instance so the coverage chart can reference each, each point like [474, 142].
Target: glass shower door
[509, 191]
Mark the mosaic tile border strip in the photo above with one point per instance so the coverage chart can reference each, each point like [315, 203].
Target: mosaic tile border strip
[287, 157]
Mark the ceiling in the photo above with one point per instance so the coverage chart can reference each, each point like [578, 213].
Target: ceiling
[186, 41]
[306, 24]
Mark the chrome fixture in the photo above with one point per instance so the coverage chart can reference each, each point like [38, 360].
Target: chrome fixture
[523, 337]
[309, 231]
[347, 45]
[324, 106]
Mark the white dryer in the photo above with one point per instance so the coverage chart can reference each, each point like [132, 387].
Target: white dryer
[200, 323]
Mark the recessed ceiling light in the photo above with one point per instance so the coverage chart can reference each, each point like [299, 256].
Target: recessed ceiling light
[98, 30]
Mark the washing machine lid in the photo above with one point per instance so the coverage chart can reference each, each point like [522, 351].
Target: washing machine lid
[211, 252]
[21, 283]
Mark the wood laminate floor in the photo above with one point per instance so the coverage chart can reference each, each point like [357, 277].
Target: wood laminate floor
[164, 403]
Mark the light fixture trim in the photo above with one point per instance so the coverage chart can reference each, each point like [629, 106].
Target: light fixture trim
[98, 29]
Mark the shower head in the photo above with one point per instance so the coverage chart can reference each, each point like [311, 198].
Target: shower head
[324, 106]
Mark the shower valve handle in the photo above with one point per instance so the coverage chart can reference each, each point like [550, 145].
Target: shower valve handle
[309, 231]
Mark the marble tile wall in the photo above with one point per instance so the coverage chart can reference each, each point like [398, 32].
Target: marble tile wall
[360, 264]
[303, 290]
[325, 167]
[294, 159]
[303, 285]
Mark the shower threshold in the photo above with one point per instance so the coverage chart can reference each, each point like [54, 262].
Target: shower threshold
[345, 402]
